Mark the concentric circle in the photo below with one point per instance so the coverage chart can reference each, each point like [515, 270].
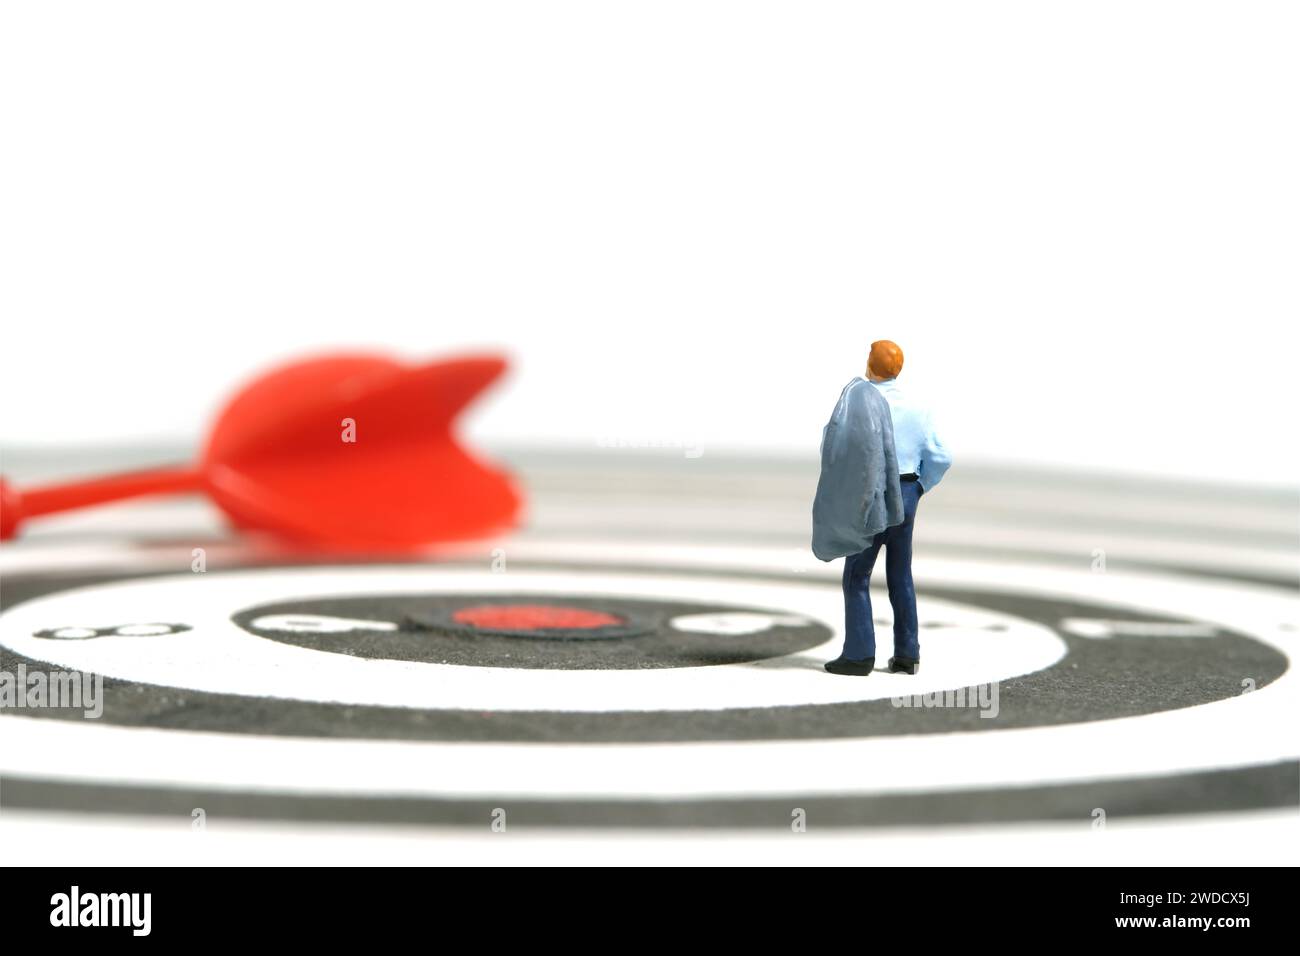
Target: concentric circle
[520, 630]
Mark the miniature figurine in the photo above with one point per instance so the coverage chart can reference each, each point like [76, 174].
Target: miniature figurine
[875, 468]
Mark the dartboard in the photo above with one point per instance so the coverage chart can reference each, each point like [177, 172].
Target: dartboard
[647, 653]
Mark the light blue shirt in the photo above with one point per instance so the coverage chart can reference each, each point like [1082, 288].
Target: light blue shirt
[918, 448]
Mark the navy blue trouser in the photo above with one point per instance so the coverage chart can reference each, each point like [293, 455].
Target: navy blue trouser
[859, 629]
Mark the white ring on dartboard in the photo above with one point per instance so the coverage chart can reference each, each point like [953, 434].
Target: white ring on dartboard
[218, 656]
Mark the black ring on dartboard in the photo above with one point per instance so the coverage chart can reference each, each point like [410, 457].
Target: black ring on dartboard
[1236, 788]
[1123, 676]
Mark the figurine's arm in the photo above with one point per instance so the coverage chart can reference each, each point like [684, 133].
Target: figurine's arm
[935, 459]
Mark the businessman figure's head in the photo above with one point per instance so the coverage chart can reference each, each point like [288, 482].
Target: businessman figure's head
[885, 361]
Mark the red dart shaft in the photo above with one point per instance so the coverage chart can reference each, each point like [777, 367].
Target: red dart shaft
[79, 494]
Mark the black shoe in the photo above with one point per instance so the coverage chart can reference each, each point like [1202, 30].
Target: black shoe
[848, 668]
[903, 665]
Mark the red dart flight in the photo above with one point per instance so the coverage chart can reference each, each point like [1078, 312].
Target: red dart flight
[346, 451]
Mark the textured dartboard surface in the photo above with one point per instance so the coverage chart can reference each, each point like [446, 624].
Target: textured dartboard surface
[647, 653]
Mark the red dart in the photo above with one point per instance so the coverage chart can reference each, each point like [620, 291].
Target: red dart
[279, 458]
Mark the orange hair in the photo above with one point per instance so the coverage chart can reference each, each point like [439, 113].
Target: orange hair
[886, 359]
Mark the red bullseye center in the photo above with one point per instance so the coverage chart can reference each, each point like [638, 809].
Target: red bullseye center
[533, 617]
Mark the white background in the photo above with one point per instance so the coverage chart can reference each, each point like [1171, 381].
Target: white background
[685, 221]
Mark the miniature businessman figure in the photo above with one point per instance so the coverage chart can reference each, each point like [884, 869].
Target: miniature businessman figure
[919, 460]
[859, 499]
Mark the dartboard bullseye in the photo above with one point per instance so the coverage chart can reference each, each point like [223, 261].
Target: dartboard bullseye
[516, 630]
